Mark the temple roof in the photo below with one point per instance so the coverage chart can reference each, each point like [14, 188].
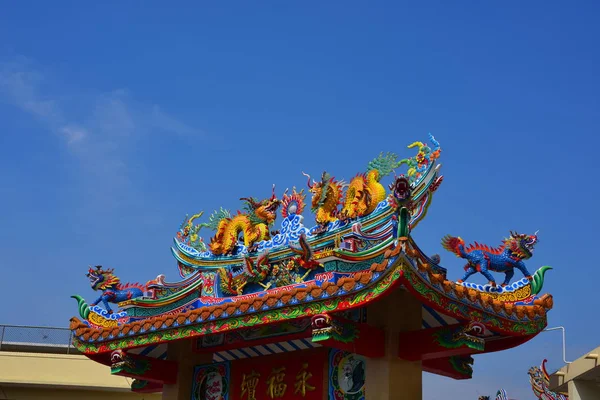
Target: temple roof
[408, 268]
[248, 276]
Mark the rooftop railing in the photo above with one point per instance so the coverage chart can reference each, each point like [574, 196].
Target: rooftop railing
[36, 339]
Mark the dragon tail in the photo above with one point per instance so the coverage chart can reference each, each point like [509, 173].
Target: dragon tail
[84, 308]
[215, 218]
[384, 164]
[453, 244]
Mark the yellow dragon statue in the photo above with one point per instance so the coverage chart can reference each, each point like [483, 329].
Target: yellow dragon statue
[188, 232]
[326, 197]
[362, 195]
[253, 224]
[364, 191]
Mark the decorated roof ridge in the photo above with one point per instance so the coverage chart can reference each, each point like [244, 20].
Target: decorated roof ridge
[519, 318]
[380, 228]
[362, 196]
[292, 228]
[536, 283]
[211, 314]
[182, 291]
[350, 257]
[510, 305]
[160, 281]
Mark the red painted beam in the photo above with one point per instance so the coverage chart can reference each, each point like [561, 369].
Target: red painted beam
[143, 368]
[453, 340]
[359, 338]
[459, 367]
[441, 342]
[138, 386]
[506, 343]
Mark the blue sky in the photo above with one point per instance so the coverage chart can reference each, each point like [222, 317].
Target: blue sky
[117, 120]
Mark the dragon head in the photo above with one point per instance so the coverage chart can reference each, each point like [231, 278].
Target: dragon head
[539, 378]
[101, 279]
[401, 190]
[121, 362]
[320, 321]
[477, 329]
[264, 211]
[119, 358]
[323, 191]
[521, 245]
[536, 377]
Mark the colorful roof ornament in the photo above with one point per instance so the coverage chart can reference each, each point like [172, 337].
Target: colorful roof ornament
[257, 282]
[540, 382]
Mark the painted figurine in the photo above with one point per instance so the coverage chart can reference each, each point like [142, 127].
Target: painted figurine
[112, 290]
[253, 225]
[482, 258]
[540, 382]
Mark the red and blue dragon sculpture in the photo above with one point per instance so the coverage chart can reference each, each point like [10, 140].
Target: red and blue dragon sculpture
[112, 290]
[482, 258]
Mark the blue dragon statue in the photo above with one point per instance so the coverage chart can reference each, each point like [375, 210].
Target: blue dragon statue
[112, 290]
[482, 258]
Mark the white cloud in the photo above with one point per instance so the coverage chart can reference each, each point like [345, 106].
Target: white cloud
[74, 134]
[100, 129]
[163, 121]
[20, 86]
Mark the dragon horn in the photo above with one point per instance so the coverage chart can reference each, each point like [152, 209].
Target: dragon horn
[251, 201]
[323, 176]
[308, 182]
[273, 197]
[536, 232]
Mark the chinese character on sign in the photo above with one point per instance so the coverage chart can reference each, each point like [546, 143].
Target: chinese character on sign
[249, 383]
[276, 386]
[302, 385]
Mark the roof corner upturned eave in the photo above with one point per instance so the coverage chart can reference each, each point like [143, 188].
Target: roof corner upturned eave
[431, 286]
